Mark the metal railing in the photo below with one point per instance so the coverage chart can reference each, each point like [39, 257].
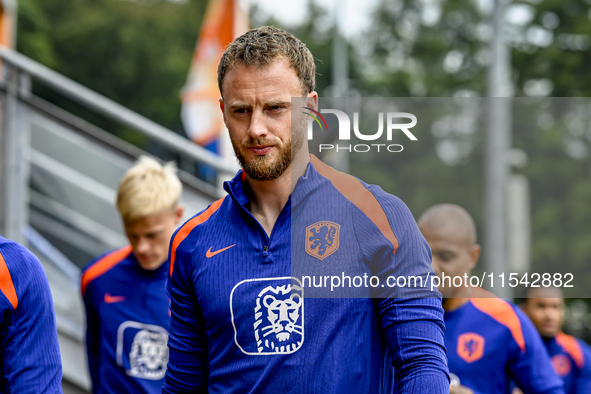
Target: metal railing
[113, 110]
[58, 176]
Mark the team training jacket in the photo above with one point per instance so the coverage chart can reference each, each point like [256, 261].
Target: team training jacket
[30, 358]
[244, 320]
[127, 319]
[571, 359]
[490, 342]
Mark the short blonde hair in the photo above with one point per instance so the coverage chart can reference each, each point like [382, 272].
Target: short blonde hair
[148, 188]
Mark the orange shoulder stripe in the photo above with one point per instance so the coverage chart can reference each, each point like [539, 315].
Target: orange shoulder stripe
[572, 347]
[6, 283]
[501, 311]
[189, 226]
[354, 191]
[103, 265]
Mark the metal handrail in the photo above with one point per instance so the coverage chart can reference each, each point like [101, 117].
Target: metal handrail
[115, 111]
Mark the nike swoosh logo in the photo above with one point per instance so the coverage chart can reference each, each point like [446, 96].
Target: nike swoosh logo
[210, 254]
[109, 299]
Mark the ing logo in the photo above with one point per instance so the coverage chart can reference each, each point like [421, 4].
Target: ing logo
[278, 327]
[268, 315]
[470, 347]
[345, 124]
[315, 118]
[561, 365]
[322, 239]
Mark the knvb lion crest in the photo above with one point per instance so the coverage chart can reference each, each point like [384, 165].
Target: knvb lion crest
[470, 347]
[561, 365]
[322, 239]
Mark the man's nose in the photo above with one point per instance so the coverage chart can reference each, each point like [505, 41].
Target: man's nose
[143, 245]
[257, 128]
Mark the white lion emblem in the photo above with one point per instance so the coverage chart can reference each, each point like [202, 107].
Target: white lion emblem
[277, 328]
[149, 355]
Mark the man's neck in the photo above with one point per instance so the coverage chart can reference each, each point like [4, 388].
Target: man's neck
[267, 198]
[461, 297]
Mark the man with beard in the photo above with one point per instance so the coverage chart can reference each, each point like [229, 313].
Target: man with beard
[571, 357]
[489, 341]
[241, 321]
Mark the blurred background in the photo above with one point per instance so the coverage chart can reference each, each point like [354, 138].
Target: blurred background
[88, 86]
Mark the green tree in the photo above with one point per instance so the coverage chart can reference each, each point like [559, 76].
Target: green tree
[137, 53]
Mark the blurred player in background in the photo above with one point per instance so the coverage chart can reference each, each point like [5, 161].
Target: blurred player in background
[30, 358]
[241, 323]
[571, 357]
[489, 341]
[127, 309]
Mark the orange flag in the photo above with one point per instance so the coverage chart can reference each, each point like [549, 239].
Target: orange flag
[224, 21]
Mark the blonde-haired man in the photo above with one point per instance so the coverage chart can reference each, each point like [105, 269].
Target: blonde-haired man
[124, 290]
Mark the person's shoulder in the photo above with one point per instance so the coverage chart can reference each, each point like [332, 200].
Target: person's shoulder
[103, 264]
[208, 221]
[20, 268]
[585, 347]
[503, 312]
[17, 257]
[203, 219]
[577, 349]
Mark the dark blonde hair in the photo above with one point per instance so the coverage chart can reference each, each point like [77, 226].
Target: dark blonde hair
[262, 46]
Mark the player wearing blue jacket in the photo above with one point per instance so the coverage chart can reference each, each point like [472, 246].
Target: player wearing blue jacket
[30, 358]
[244, 314]
[571, 357]
[489, 341]
[127, 309]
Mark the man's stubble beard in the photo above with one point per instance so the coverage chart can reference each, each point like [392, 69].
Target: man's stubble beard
[265, 168]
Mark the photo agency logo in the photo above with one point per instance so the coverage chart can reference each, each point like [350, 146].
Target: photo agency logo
[394, 123]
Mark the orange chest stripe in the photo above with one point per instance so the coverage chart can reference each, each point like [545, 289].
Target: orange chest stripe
[354, 191]
[6, 284]
[502, 312]
[188, 227]
[571, 346]
[103, 265]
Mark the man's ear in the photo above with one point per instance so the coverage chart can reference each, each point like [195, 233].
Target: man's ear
[178, 214]
[312, 100]
[474, 255]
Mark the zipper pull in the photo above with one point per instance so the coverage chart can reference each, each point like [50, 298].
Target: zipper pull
[265, 251]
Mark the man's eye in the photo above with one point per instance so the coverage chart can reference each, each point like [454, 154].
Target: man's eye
[275, 107]
[240, 111]
[445, 256]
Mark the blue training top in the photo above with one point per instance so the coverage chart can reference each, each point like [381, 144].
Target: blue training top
[571, 359]
[245, 318]
[128, 317]
[30, 361]
[490, 342]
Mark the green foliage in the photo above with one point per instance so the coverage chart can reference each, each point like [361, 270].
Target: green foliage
[136, 53]
[439, 48]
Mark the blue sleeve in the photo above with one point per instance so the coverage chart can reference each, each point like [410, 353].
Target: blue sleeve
[532, 370]
[30, 350]
[411, 318]
[187, 341]
[583, 380]
[92, 336]
[413, 329]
